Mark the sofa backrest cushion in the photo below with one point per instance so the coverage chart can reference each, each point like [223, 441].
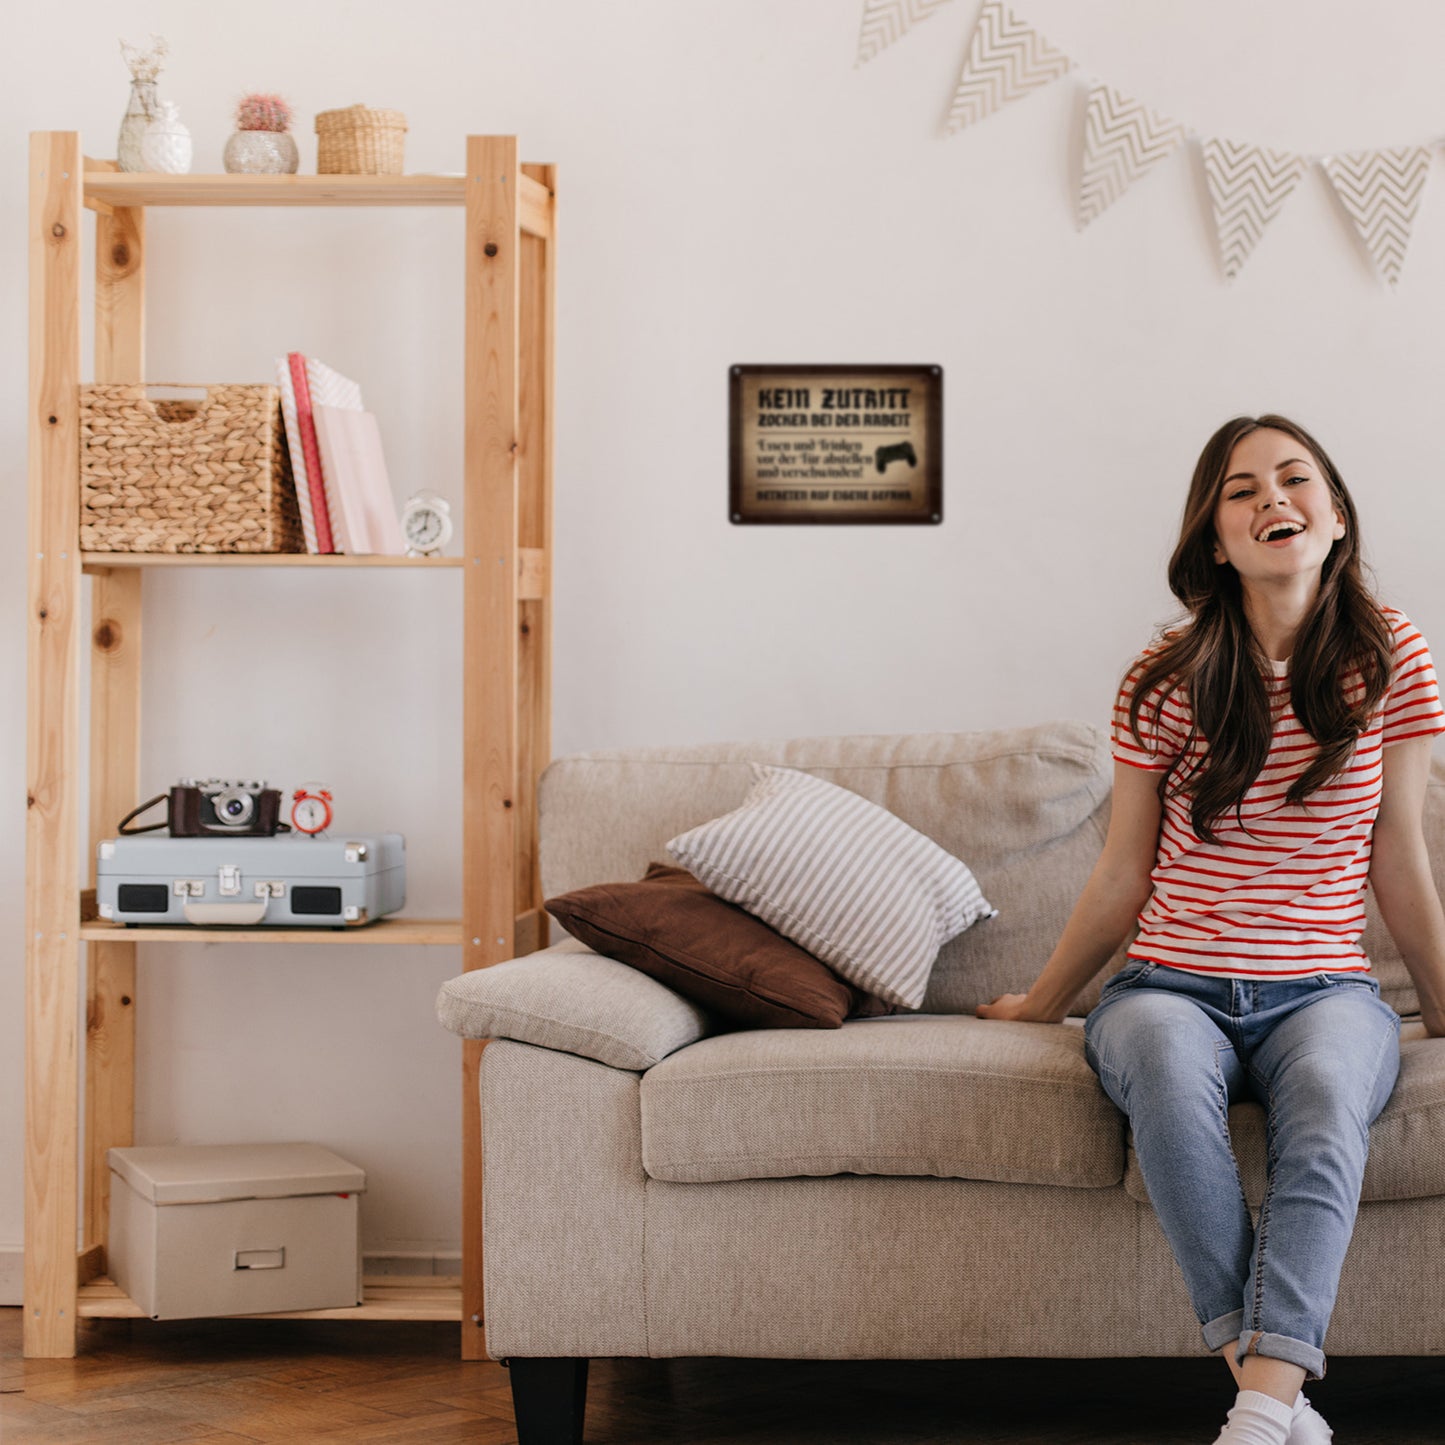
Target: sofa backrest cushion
[1025, 808]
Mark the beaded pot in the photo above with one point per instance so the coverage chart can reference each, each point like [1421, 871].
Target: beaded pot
[262, 152]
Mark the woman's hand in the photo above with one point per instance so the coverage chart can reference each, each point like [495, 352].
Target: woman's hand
[1011, 1006]
[1402, 882]
[1117, 889]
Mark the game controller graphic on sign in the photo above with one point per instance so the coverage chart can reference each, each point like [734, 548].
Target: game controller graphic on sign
[860, 444]
[884, 457]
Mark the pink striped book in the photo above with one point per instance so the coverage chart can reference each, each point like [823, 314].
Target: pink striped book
[306, 426]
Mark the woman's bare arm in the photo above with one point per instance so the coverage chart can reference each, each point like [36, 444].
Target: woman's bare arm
[1117, 890]
[1400, 875]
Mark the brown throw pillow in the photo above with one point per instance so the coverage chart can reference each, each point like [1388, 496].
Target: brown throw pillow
[670, 927]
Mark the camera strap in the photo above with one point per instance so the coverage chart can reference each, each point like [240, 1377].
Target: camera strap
[144, 807]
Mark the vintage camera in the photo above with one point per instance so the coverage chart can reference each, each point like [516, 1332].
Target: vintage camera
[217, 807]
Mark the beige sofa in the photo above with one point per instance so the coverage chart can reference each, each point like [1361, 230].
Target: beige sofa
[916, 1186]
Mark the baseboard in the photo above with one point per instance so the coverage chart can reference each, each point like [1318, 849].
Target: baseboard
[12, 1268]
[12, 1275]
[410, 1263]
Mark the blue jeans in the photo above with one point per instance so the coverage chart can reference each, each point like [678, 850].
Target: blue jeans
[1173, 1050]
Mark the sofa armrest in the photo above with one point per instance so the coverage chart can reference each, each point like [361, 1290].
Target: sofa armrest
[575, 1001]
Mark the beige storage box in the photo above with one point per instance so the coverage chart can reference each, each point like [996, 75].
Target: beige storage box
[235, 1229]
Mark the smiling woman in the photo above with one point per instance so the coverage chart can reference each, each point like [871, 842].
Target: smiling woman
[1254, 601]
[1271, 758]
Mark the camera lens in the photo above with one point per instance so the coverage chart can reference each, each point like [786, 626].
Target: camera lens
[234, 807]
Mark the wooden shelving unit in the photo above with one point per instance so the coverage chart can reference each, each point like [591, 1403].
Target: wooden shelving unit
[509, 269]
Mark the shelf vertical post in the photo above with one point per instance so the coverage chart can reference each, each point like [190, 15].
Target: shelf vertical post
[52, 891]
[489, 705]
[115, 640]
[537, 305]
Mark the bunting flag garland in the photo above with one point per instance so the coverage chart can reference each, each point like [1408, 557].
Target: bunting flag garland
[1381, 190]
[885, 21]
[1248, 186]
[1122, 140]
[1007, 58]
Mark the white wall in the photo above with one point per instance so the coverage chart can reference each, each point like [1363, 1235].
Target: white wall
[733, 190]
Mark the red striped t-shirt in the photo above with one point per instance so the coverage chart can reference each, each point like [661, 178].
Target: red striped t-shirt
[1286, 898]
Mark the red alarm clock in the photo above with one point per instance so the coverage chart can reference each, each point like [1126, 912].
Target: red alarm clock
[311, 809]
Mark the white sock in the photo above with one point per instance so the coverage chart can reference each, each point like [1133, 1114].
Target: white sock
[1307, 1425]
[1257, 1419]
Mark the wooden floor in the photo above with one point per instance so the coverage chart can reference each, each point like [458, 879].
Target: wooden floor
[136, 1383]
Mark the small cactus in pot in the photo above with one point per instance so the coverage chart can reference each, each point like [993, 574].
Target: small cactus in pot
[262, 143]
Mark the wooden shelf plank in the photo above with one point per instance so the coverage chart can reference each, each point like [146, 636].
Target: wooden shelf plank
[384, 930]
[107, 188]
[100, 561]
[532, 564]
[386, 1297]
[146, 188]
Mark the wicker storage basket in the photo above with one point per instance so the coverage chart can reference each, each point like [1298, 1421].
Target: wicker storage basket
[186, 476]
[359, 142]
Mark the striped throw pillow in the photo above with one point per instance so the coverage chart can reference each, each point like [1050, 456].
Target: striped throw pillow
[843, 878]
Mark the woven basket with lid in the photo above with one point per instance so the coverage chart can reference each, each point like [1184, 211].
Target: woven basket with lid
[186, 476]
[359, 142]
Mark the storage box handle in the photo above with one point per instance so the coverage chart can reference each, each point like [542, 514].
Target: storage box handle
[260, 1259]
[200, 398]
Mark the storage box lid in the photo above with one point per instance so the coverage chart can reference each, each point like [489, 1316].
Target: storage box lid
[210, 1173]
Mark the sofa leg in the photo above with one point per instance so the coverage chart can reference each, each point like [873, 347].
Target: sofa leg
[549, 1397]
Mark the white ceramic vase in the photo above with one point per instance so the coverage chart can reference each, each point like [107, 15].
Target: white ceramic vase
[166, 146]
[261, 152]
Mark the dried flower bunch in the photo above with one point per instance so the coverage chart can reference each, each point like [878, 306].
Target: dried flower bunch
[259, 111]
[144, 64]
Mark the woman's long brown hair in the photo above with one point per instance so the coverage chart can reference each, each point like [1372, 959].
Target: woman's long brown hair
[1217, 661]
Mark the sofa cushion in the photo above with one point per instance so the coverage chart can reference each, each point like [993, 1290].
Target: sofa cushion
[951, 1097]
[575, 1001]
[842, 877]
[672, 928]
[1407, 1141]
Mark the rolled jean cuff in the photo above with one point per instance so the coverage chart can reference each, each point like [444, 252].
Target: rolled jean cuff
[1282, 1347]
[1223, 1331]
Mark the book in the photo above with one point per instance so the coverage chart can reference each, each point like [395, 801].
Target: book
[297, 453]
[309, 469]
[327, 387]
[352, 460]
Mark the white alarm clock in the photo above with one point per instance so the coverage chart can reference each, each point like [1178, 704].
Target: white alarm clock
[426, 524]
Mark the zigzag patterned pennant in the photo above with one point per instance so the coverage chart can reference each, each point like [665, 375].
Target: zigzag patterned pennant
[1248, 186]
[885, 21]
[1122, 140]
[1007, 58]
[1381, 190]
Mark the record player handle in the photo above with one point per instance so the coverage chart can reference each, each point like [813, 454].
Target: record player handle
[236, 913]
